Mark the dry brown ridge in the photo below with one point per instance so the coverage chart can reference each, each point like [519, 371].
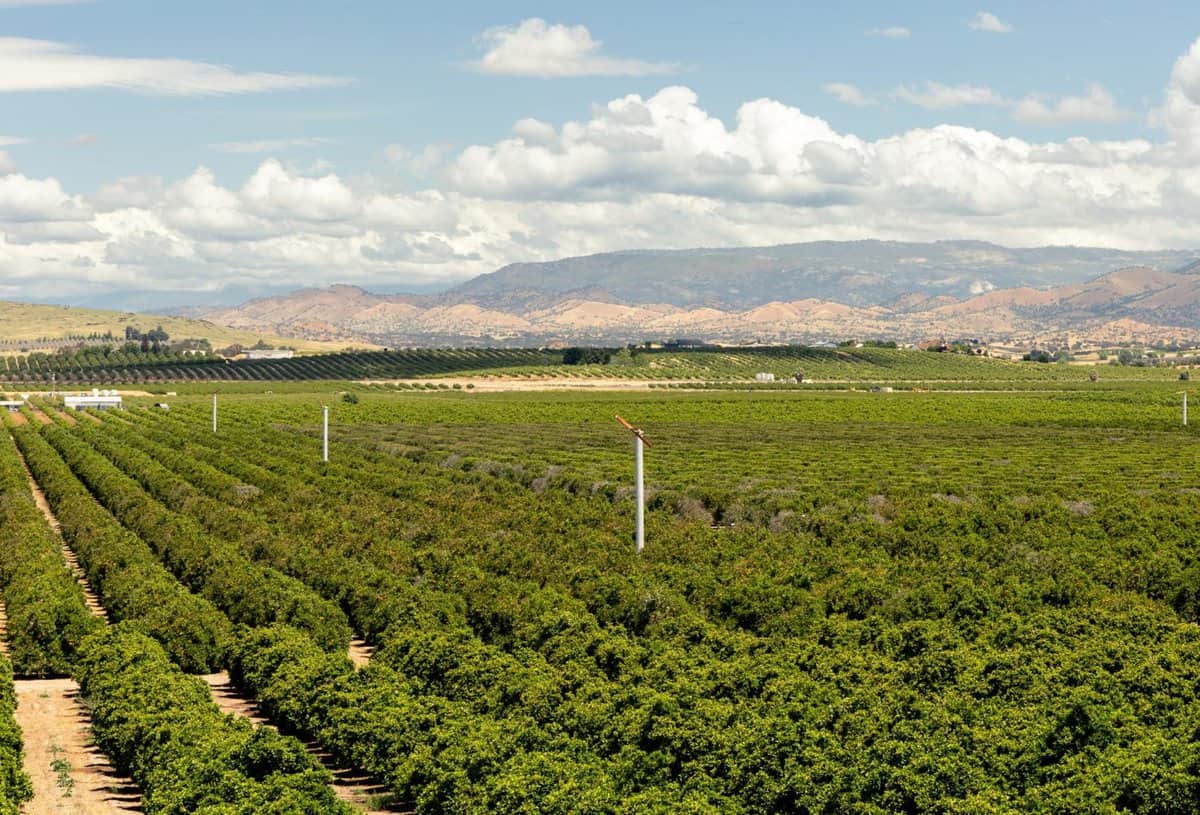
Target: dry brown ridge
[1150, 302]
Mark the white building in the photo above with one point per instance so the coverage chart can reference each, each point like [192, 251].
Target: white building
[764, 377]
[11, 405]
[96, 400]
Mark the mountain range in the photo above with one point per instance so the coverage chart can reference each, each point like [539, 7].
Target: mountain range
[793, 293]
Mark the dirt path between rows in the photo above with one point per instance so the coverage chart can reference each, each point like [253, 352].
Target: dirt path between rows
[360, 653]
[70, 775]
[39, 497]
[349, 786]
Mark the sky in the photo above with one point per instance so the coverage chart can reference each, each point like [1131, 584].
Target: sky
[175, 153]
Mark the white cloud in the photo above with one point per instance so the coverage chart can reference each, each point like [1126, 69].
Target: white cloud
[85, 140]
[895, 32]
[936, 96]
[848, 94]
[986, 21]
[29, 200]
[274, 190]
[6, 164]
[42, 65]
[9, 141]
[421, 162]
[637, 172]
[1180, 112]
[1096, 104]
[22, 3]
[268, 145]
[540, 49]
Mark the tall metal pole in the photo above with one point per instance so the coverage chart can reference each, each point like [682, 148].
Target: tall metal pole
[325, 433]
[214, 413]
[641, 494]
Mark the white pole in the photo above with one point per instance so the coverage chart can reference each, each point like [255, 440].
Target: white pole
[325, 433]
[214, 413]
[641, 494]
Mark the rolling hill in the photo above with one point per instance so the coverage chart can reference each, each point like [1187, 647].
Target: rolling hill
[798, 293]
[32, 326]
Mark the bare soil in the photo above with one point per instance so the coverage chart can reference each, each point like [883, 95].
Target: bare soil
[230, 700]
[350, 786]
[70, 775]
[360, 653]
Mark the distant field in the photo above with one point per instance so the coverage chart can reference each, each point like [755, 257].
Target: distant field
[867, 365]
[24, 324]
[820, 368]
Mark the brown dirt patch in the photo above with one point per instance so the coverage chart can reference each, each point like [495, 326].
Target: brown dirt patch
[55, 725]
[360, 653]
[350, 786]
[230, 700]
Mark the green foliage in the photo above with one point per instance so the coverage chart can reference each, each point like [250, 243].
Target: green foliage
[15, 788]
[161, 727]
[949, 603]
[123, 570]
[47, 614]
[586, 356]
[871, 363]
[247, 592]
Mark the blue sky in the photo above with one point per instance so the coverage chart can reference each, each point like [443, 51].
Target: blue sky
[291, 143]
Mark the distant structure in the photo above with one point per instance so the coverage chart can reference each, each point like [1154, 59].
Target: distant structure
[96, 400]
[269, 353]
[764, 377]
[12, 405]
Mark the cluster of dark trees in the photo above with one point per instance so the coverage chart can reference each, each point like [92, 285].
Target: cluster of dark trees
[587, 356]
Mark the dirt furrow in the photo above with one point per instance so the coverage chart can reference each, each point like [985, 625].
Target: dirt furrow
[70, 775]
[350, 786]
[230, 700]
[360, 653]
[39, 497]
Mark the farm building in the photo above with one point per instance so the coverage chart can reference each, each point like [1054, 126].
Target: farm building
[11, 405]
[764, 377]
[96, 400]
[269, 353]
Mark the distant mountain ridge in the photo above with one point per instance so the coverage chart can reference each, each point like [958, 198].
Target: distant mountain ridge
[799, 292]
[858, 273]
